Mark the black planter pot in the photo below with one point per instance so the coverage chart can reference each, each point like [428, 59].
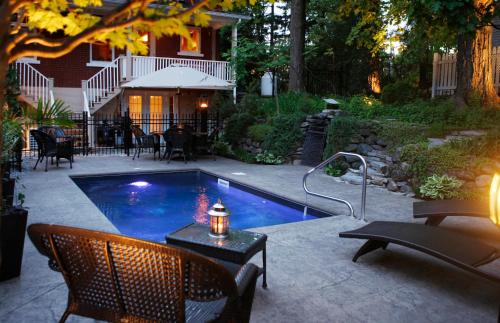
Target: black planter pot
[12, 232]
[8, 189]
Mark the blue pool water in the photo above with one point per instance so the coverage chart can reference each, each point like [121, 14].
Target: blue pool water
[148, 206]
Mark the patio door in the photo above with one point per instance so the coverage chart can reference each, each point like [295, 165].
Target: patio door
[135, 108]
[155, 113]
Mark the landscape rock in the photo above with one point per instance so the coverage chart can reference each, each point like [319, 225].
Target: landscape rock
[377, 147]
[379, 181]
[483, 180]
[392, 186]
[364, 149]
[435, 142]
[352, 178]
[365, 132]
[297, 162]
[351, 148]
[380, 167]
[381, 142]
[405, 188]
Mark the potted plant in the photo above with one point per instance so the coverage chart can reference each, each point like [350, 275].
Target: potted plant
[12, 218]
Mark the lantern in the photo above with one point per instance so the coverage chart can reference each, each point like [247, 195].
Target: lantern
[219, 221]
[203, 102]
[495, 199]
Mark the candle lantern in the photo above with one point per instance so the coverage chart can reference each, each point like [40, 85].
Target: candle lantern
[495, 200]
[219, 221]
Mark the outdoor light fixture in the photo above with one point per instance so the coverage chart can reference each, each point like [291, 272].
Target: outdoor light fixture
[219, 221]
[145, 38]
[495, 199]
[203, 102]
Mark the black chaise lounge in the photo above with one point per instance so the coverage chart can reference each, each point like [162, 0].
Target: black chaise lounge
[455, 248]
[437, 211]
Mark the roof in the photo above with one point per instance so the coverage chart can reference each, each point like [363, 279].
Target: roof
[182, 77]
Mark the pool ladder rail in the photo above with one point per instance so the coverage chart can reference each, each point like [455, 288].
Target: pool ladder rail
[336, 199]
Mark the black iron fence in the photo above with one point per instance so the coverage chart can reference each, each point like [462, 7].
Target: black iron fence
[107, 134]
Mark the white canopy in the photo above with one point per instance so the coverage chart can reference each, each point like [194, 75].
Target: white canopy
[183, 77]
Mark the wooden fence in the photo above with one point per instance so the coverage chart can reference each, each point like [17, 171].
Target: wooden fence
[444, 76]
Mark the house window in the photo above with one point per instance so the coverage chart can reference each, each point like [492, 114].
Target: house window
[192, 48]
[101, 55]
[135, 108]
[155, 113]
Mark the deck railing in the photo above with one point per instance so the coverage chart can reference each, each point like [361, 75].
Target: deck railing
[143, 65]
[33, 84]
[444, 75]
[103, 83]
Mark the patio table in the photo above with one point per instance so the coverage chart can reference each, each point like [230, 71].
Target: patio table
[237, 248]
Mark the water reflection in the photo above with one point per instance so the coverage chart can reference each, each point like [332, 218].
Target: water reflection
[202, 205]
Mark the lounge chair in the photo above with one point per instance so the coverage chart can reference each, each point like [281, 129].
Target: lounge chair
[49, 147]
[117, 278]
[457, 249]
[145, 141]
[437, 211]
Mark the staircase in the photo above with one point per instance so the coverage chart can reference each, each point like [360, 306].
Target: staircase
[34, 85]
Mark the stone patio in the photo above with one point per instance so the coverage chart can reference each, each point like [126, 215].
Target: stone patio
[310, 273]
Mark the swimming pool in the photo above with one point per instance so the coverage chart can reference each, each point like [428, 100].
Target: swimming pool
[150, 205]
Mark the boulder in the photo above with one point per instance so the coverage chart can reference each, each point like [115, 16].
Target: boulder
[364, 149]
[351, 148]
[380, 167]
[379, 181]
[381, 142]
[377, 147]
[365, 132]
[405, 188]
[392, 186]
[483, 180]
[352, 178]
[356, 139]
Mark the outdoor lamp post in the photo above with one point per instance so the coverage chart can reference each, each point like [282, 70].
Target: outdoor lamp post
[495, 199]
[219, 221]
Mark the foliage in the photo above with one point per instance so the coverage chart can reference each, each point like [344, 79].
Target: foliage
[55, 113]
[397, 133]
[244, 156]
[259, 132]
[293, 103]
[440, 187]
[269, 159]
[337, 168]
[222, 148]
[12, 91]
[236, 127]
[11, 134]
[251, 103]
[399, 92]
[340, 131]
[285, 136]
[222, 103]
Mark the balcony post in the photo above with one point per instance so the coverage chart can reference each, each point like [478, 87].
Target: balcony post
[234, 43]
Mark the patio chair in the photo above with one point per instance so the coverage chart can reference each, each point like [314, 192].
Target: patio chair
[59, 134]
[117, 278]
[455, 248]
[49, 147]
[436, 211]
[178, 141]
[145, 141]
[207, 143]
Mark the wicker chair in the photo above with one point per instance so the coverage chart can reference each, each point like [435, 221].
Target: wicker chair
[145, 141]
[178, 140]
[117, 278]
[49, 147]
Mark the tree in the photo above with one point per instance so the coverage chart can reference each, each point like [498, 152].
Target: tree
[53, 28]
[297, 40]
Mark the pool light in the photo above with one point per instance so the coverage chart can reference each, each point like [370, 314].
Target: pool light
[219, 221]
[140, 184]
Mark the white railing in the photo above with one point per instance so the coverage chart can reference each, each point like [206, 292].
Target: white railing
[143, 65]
[34, 84]
[444, 76]
[103, 83]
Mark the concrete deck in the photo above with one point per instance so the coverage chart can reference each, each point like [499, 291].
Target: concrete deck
[310, 274]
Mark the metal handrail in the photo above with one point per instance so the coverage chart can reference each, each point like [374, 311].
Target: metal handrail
[363, 185]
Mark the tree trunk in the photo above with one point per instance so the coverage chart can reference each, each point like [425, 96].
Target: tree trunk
[297, 40]
[474, 67]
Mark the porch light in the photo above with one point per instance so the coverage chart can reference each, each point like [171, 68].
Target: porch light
[219, 221]
[203, 102]
[145, 38]
[495, 200]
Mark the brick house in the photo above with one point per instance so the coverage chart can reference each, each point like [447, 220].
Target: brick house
[91, 77]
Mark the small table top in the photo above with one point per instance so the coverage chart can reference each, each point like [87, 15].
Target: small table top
[238, 247]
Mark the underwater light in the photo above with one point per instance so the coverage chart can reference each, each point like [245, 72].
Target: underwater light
[140, 184]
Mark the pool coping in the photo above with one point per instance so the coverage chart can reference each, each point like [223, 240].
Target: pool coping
[292, 203]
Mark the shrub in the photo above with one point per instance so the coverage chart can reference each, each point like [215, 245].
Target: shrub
[244, 156]
[259, 132]
[269, 159]
[337, 168]
[223, 104]
[293, 103]
[440, 187]
[399, 92]
[397, 133]
[340, 131]
[285, 135]
[236, 127]
[251, 103]
[222, 148]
